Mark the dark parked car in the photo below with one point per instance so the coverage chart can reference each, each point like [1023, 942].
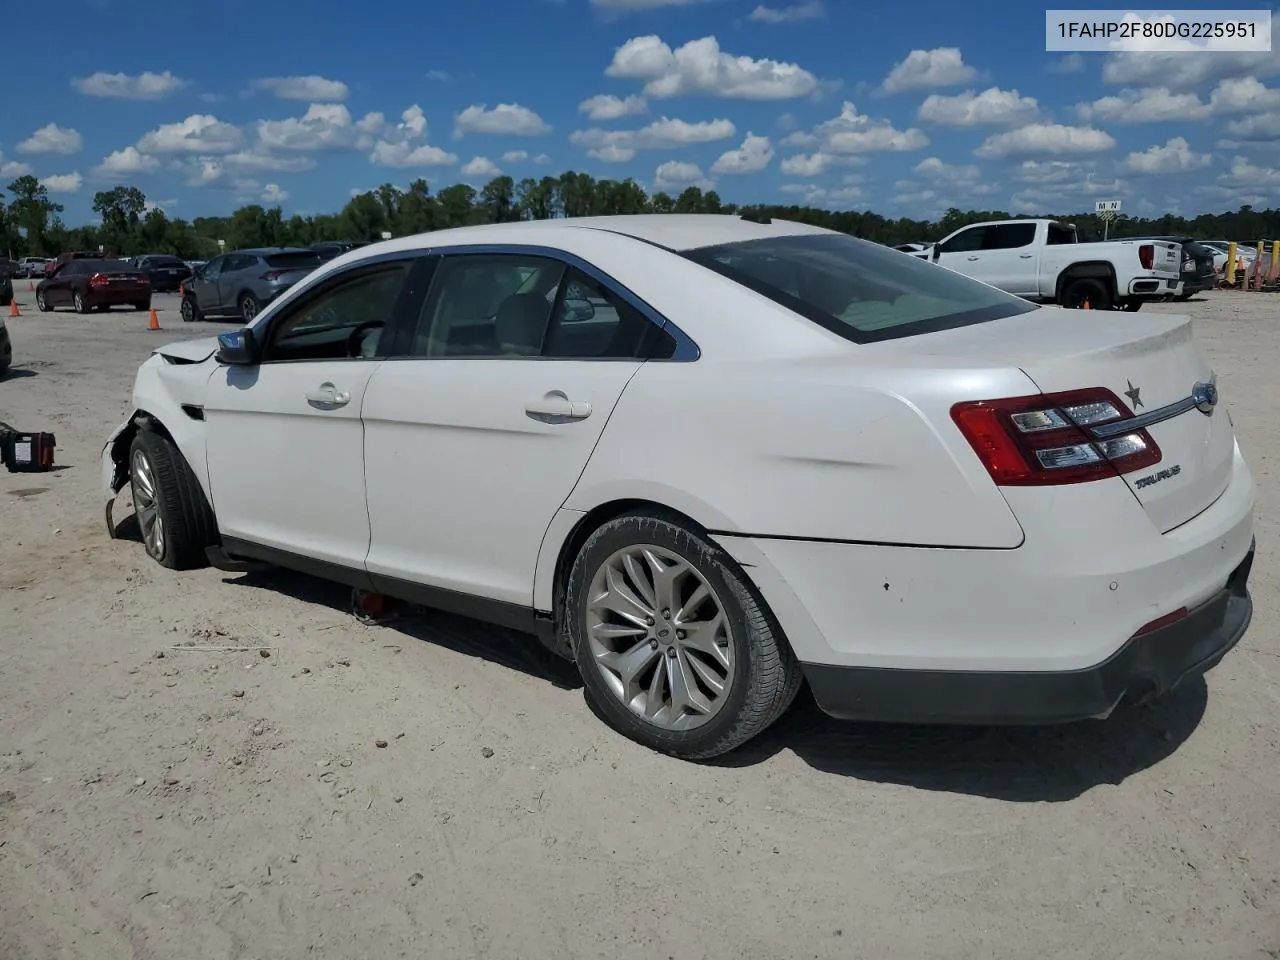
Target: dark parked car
[7, 271]
[94, 285]
[62, 258]
[242, 282]
[165, 270]
[330, 249]
[6, 348]
[1198, 272]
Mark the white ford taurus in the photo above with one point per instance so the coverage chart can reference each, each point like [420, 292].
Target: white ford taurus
[708, 457]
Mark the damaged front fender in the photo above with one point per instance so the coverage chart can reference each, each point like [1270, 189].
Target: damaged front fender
[115, 467]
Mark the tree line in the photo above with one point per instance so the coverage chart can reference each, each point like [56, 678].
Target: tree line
[31, 223]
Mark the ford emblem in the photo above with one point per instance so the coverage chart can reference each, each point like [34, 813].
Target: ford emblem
[1205, 394]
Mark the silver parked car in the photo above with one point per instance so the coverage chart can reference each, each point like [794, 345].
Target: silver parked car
[242, 282]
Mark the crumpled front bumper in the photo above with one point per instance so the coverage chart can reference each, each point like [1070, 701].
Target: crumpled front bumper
[114, 471]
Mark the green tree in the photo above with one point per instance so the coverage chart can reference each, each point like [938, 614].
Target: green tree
[31, 210]
[121, 210]
[457, 205]
[498, 200]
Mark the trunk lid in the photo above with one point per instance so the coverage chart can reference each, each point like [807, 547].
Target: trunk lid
[1151, 362]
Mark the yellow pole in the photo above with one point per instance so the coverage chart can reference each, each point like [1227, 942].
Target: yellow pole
[1274, 273]
[1258, 275]
[1230, 275]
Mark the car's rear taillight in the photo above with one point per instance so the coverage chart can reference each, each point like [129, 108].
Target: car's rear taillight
[274, 274]
[144, 279]
[1046, 439]
[1147, 256]
[98, 280]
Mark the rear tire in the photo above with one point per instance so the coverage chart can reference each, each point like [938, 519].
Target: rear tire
[1086, 290]
[176, 520]
[731, 657]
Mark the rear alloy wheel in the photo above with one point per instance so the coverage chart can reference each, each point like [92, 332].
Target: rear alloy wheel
[41, 304]
[173, 515]
[249, 307]
[190, 312]
[79, 304]
[671, 642]
[1086, 290]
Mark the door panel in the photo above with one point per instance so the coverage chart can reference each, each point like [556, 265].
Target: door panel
[468, 460]
[285, 440]
[204, 285]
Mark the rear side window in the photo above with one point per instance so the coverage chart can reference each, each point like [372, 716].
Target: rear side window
[1009, 236]
[861, 291]
[293, 261]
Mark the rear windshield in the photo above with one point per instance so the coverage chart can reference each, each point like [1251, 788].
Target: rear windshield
[862, 291]
[294, 261]
[101, 266]
[164, 262]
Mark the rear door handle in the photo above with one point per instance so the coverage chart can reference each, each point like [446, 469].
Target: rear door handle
[973, 258]
[1025, 256]
[328, 396]
[556, 407]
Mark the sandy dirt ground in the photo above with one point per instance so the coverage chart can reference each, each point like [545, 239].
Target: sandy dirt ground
[162, 801]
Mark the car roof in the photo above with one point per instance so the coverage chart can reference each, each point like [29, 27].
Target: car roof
[674, 231]
[269, 251]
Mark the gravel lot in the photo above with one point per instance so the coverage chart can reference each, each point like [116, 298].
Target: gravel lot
[169, 803]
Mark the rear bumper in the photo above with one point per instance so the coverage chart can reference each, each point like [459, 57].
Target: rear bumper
[1145, 667]
[111, 298]
[1152, 287]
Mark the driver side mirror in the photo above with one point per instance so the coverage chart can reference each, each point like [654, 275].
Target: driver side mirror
[579, 310]
[238, 348]
[936, 252]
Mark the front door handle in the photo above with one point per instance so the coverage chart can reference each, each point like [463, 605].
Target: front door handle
[973, 258]
[556, 407]
[328, 396]
[1025, 256]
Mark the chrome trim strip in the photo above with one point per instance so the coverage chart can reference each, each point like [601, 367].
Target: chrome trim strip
[1176, 409]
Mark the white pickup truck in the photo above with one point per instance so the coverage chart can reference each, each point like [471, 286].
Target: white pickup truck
[1044, 260]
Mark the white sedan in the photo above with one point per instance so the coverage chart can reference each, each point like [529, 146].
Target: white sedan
[709, 458]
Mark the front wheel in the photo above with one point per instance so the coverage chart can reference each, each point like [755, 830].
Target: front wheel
[673, 646]
[41, 303]
[174, 517]
[249, 307]
[190, 312]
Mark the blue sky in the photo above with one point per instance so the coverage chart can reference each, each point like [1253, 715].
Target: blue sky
[901, 108]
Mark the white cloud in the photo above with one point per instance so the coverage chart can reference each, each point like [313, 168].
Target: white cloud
[991, 107]
[812, 195]
[929, 69]
[506, 118]
[325, 126]
[701, 67]
[515, 156]
[1176, 156]
[816, 164]
[1244, 95]
[605, 106]
[407, 155]
[1046, 138]
[52, 138]
[1249, 175]
[1051, 171]
[63, 182]
[1071, 63]
[199, 133]
[627, 6]
[1149, 105]
[807, 10]
[257, 161]
[311, 88]
[612, 153]
[272, 193]
[439, 76]
[853, 132]
[125, 163]
[753, 156]
[481, 167]
[935, 169]
[145, 86]
[231, 169]
[1183, 70]
[1262, 128]
[678, 175]
[13, 168]
[619, 146]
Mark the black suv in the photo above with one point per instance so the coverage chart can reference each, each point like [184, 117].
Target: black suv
[1197, 265]
[165, 270]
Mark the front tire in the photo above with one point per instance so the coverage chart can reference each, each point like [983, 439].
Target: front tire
[673, 646]
[190, 312]
[176, 521]
[79, 304]
[41, 304]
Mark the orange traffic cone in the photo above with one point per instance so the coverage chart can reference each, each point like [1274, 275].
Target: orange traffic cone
[1087, 305]
[153, 321]
[13, 309]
